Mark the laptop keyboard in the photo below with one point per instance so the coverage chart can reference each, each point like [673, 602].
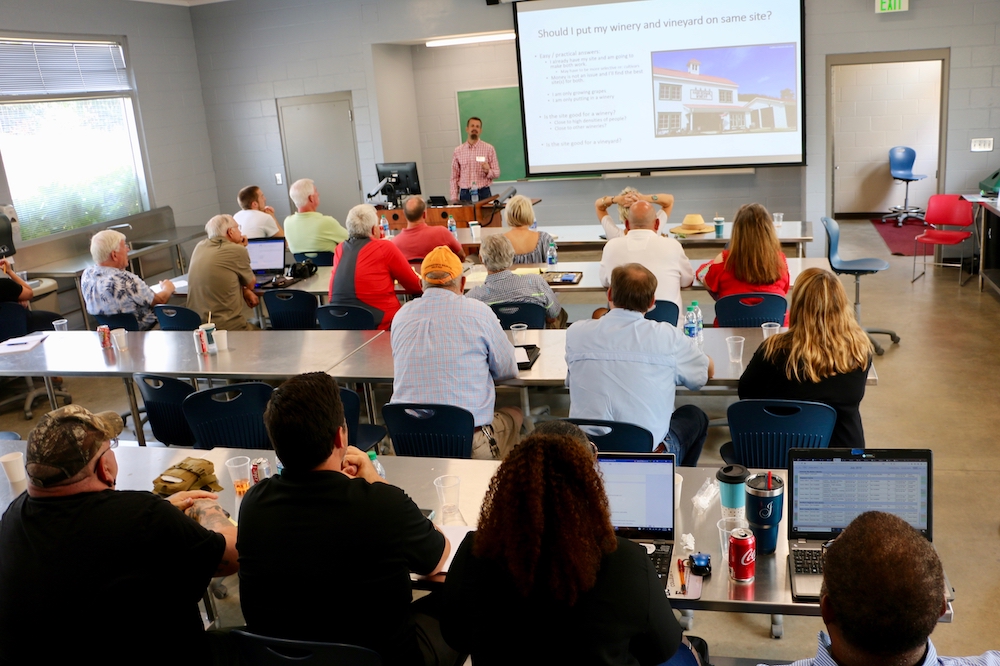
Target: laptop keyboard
[661, 559]
[807, 561]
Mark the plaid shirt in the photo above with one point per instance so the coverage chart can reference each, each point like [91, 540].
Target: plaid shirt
[824, 658]
[465, 169]
[507, 287]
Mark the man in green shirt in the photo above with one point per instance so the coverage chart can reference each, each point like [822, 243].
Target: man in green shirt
[308, 230]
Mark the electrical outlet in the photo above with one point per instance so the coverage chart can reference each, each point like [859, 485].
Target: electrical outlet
[277, 176]
[982, 145]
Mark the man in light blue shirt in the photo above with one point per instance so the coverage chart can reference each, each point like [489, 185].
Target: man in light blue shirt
[624, 367]
[883, 592]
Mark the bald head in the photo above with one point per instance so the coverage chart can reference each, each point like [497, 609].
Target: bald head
[414, 209]
[641, 215]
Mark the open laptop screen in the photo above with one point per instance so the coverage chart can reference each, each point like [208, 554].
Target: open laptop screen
[267, 255]
[640, 489]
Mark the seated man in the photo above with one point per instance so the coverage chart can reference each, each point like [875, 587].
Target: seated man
[256, 218]
[449, 350]
[502, 286]
[624, 367]
[75, 553]
[663, 256]
[624, 201]
[883, 592]
[419, 238]
[220, 280]
[110, 289]
[308, 230]
[16, 290]
[366, 269]
[330, 537]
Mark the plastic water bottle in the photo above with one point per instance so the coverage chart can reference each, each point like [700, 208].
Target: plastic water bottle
[376, 464]
[701, 322]
[691, 324]
[552, 256]
[386, 231]
[452, 226]
[474, 192]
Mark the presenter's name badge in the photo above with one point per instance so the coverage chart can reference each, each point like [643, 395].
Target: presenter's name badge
[480, 158]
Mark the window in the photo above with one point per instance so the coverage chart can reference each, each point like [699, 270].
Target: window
[670, 92]
[67, 134]
[726, 96]
[668, 122]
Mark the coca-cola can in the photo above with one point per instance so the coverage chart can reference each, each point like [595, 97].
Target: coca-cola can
[104, 333]
[742, 555]
[200, 341]
[260, 469]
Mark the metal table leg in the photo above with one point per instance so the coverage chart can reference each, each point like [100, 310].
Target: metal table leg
[134, 405]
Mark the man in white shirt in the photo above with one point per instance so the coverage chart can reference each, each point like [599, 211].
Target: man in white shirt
[663, 256]
[256, 219]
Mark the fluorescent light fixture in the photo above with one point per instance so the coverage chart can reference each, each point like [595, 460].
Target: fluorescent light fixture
[481, 38]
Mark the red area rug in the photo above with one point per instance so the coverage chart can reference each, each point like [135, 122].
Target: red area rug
[899, 240]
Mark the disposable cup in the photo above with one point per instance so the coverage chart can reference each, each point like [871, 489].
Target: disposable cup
[518, 331]
[239, 472]
[60, 325]
[778, 218]
[727, 525]
[448, 487]
[735, 345]
[769, 329]
[120, 338]
[13, 466]
[222, 340]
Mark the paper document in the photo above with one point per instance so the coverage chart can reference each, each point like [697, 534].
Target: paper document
[521, 355]
[179, 285]
[26, 343]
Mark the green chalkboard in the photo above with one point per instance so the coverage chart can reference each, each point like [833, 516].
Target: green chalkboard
[500, 111]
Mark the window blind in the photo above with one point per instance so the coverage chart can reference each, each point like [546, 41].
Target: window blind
[45, 68]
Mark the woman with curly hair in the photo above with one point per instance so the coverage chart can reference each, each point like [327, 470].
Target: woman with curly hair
[824, 356]
[544, 580]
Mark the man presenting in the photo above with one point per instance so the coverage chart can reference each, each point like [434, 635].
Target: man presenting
[256, 218]
[419, 238]
[309, 230]
[449, 350]
[220, 279]
[624, 367]
[473, 164]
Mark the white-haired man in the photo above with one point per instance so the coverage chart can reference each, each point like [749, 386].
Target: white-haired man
[220, 279]
[309, 230]
[366, 268]
[109, 289]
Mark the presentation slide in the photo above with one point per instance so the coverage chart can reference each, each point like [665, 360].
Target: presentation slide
[660, 84]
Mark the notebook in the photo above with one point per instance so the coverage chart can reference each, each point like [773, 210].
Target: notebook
[640, 489]
[267, 257]
[828, 488]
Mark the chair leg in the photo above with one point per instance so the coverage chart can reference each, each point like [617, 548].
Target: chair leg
[924, 262]
[879, 331]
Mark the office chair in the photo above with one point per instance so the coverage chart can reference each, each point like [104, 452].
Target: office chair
[430, 431]
[616, 436]
[318, 258]
[163, 398]
[7, 248]
[750, 310]
[345, 318]
[256, 650]
[901, 161]
[857, 268]
[764, 430]
[531, 314]
[124, 320]
[665, 311]
[231, 416]
[291, 309]
[177, 318]
[949, 210]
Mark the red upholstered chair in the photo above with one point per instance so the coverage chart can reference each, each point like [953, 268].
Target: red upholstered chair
[945, 210]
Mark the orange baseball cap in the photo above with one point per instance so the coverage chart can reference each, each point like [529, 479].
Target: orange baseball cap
[441, 260]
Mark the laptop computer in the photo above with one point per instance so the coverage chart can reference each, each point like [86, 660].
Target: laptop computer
[267, 258]
[828, 488]
[640, 489]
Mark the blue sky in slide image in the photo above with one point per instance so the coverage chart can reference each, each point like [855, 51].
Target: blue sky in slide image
[765, 69]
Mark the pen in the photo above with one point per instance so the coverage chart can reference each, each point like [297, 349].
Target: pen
[15, 344]
[680, 572]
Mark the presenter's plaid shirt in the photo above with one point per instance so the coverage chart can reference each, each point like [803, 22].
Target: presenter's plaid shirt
[465, 169]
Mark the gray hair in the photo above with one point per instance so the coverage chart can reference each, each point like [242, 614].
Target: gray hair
[454, 285]
[104, 243]
[497, 252]
[360, 221]
[519, 211]
[220, 225]
[301, 190]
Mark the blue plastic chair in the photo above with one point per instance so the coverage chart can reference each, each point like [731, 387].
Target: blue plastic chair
[531, 314]
[345, 318]
[124, 320]
[257, 650]
[429, 431]
[362, 435]
[291, 309]
[857, 268]
[164, 398]
[9, 435]
[665, 311]
[231, 416]
[901, 159]
[177, 318]
[764, 430]
[318, 258]
[619, 437]
[14, 324]
[750, 310]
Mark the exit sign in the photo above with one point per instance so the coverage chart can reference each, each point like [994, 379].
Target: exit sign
[886, 6]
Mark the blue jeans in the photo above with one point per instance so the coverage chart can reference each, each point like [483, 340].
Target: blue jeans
[466, 195]
[686, 437]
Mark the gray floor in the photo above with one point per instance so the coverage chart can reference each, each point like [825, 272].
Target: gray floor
[936, 390]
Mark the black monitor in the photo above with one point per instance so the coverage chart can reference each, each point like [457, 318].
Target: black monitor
[401, 179]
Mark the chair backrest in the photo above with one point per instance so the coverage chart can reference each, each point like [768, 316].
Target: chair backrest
[291, 309]
[345, 318]
[531, 314]
[750, 310]
[833, 244]
[352, 413]
[616, 436]
[124, 320]
[666, 311]
[9, 435]
[231, 416]
[177, 318]
[948, 210]
[13, 320]
[256, 650]
[434, 431]
[6, 237]
[318, 258]
[764, 430]
[901, 159]
[164, 400]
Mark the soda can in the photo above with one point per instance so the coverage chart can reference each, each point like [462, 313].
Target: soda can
[742, 555]
[104, 333]
[260, 468]
[200, 341]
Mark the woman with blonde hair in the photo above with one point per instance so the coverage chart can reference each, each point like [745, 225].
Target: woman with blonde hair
[824, 356]
[530, 247]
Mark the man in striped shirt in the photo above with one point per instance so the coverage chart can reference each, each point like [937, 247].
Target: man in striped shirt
[473, 165]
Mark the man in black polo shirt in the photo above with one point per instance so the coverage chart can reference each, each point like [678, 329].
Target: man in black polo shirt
[327, 547]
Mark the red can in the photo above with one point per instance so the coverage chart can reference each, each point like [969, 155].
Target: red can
[104, 333]
[742, 555]
[260, 469]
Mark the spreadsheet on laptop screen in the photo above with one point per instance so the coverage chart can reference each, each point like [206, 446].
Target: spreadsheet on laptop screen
[640, 492]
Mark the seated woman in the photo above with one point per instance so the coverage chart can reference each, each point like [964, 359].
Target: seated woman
[530, 247]
[824, 356]
[545, 580]
[754, 261]
[16, 290]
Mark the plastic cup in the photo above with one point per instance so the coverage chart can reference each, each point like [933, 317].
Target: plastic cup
[778, 218]
[60, 325]
[13, 466]
[735, 345]
[678, 487]
[518, 331]
[22, 274]
[120, 338]
[448, 492]
[239, 472]
[474, 229]
[222, 340]
[727, 525]
[770, 328]
[719, 221]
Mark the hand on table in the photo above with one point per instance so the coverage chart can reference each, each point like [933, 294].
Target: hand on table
[186, 498]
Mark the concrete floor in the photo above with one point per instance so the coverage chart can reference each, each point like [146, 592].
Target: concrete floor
[935, 391]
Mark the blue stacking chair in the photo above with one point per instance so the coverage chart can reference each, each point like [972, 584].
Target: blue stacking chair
[163, 398]
[177, 318]
[318, 258]
[665, 311]
[531, 314]
[14, 324]
[9, 435]
[345, 318]
[901, 159]
[362, 435]
[750, 310]
[124, 320]
[430, 431]
[619, 438]
[256, 650]
[764, 430]
[231, 416]
[291, 309]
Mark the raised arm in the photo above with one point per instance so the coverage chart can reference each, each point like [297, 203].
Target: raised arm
[611, 230]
